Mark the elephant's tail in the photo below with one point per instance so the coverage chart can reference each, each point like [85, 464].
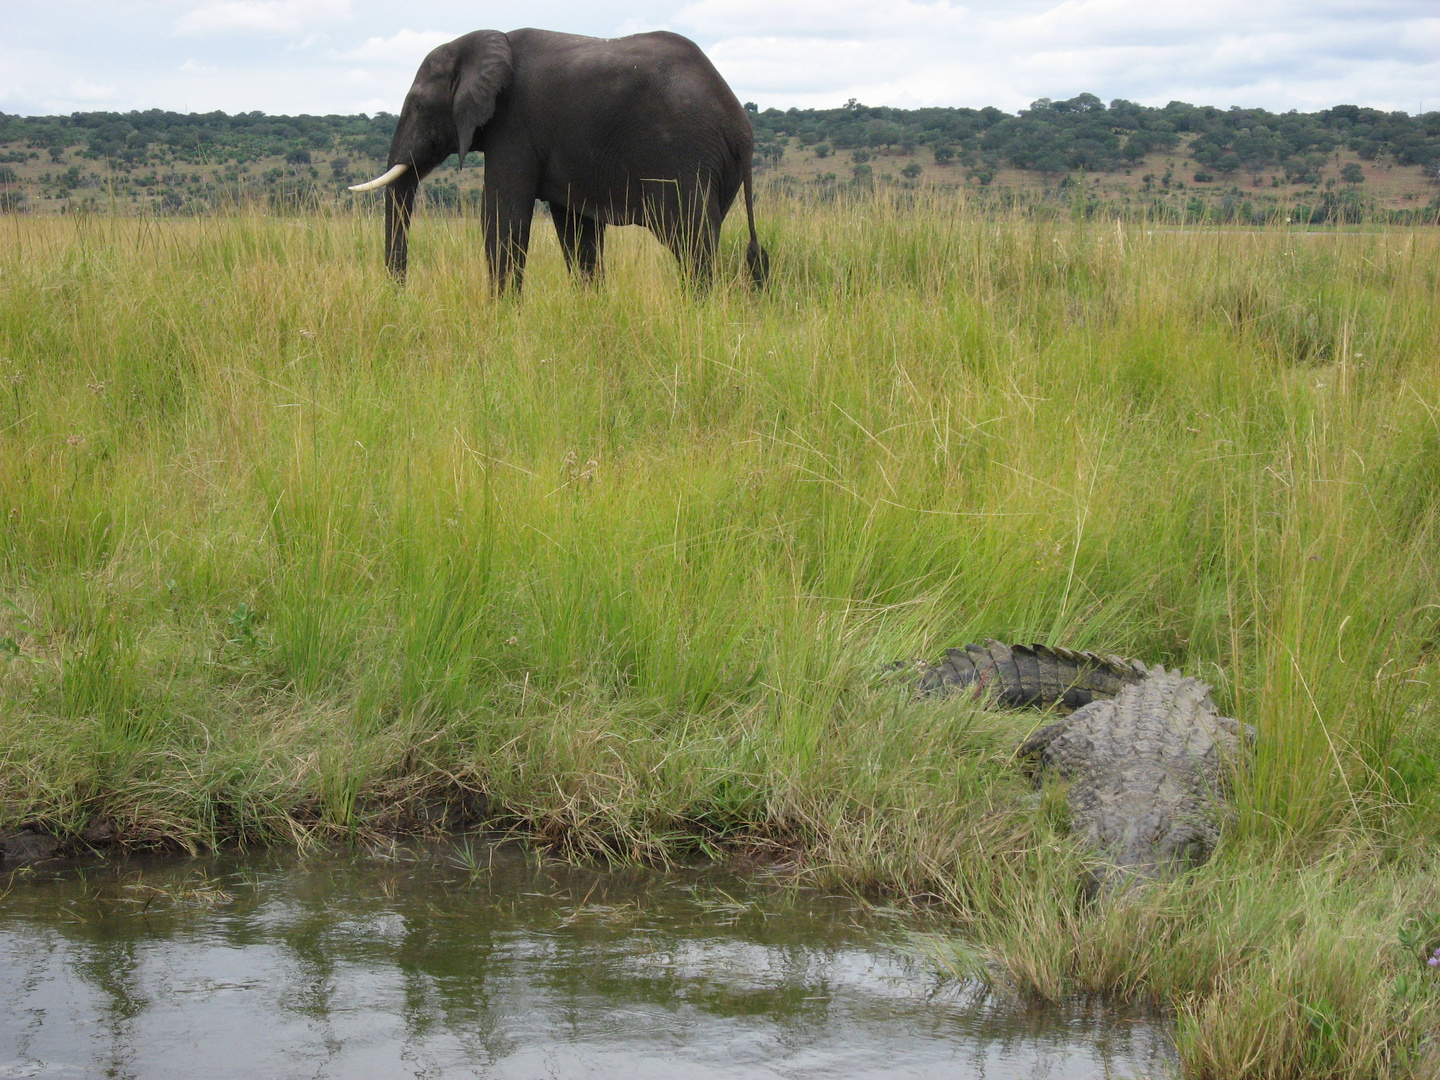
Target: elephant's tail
[756, 257]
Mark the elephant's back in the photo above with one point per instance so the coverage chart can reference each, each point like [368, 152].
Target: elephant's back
[651, 101]
[666, 68]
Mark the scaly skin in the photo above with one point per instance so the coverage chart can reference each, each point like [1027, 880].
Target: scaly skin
[1145, 752]
[1020, 675]
[1148, 771]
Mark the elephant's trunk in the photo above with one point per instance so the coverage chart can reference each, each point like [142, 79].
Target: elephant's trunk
[399, 206]
[384, 180]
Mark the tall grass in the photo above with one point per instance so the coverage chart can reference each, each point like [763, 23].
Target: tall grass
[287, 552]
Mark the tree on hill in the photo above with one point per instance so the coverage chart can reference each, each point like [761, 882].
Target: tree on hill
[1050, 136]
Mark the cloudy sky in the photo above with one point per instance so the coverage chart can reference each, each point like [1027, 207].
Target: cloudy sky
[347, 56]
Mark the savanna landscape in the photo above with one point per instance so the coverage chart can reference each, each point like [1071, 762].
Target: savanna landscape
[292, 556]
[1195, 163]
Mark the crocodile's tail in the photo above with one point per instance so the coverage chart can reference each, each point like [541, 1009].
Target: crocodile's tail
[1036, 675]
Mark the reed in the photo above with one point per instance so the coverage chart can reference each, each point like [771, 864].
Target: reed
[287, 553]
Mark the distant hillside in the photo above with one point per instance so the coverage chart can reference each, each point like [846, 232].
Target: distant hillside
[151, 137]
[1084, 133]
[1345, 156]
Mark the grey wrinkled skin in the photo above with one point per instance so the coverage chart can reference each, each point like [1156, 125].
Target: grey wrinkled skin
[1145, 752]
[638, 130]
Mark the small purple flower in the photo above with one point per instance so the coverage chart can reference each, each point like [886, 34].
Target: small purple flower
[1434, 961]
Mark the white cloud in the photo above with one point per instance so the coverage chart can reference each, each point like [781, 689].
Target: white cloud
[816, 19]
[296, 56]
[84, 90]
[1281, 54]
[405, 47]
[260, 16]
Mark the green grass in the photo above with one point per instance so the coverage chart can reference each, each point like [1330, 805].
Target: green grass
[288, 553]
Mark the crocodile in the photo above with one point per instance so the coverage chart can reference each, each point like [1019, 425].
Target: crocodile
[1145, 751]
[1017, 676]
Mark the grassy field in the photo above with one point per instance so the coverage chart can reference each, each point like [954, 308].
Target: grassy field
[288, 554]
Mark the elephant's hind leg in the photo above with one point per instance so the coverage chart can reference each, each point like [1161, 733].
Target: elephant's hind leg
[583, 241]
[696, 249]
[691, 231]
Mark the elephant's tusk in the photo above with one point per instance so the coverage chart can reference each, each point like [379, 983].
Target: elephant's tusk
[391, 175]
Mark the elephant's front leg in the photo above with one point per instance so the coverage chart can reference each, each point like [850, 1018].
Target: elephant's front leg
[582, 239]
[507, 238]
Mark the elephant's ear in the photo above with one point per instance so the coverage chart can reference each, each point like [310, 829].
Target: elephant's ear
[483, 72]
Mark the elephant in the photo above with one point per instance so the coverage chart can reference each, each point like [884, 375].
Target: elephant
[633, 130]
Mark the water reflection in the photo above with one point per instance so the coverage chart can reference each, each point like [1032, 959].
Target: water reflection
[427, 964]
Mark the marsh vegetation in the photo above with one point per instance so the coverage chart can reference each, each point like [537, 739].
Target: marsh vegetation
[289, 555]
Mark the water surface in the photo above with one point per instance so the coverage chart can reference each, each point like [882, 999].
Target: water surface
[489, 962]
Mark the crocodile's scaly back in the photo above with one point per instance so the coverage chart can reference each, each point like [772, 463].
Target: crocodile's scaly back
[1038, 675]
[1148, 772]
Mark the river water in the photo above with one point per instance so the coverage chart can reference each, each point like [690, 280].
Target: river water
[488, 961]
